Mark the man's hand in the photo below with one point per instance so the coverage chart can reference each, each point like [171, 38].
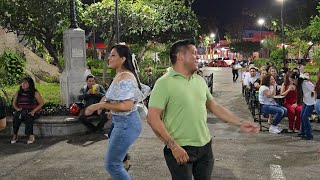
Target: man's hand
[90, 91]
[249, 127]
[180, 155]
[32, 113]
[91, 109]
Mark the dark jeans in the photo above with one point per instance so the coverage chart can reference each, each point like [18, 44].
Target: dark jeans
[306, 129]
[200, 163]
[235, 75]
[103, 118]
[24, 116]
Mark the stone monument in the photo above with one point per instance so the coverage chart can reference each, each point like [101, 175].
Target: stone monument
[74, 51]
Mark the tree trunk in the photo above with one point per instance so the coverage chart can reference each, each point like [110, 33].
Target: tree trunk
[144, 50]
[54, 55]
[307, 52]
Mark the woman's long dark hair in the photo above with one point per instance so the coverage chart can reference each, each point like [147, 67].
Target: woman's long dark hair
[299, 89]
[286, 79]
[31, 91]
[266, 80]
[124, 51]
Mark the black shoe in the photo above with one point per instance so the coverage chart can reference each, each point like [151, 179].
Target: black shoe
[98, 130]
[307, 138]
[300, 135]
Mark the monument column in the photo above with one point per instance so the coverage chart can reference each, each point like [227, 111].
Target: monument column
[74, 51]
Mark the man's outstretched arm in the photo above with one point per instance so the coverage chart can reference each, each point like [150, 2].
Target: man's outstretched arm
[229, 117]
[158, 127]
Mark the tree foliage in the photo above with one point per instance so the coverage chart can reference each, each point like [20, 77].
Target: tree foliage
[142, 21]
[43, 21]
[271, 42]
[244, 47]
[276, 57]
[13, 68]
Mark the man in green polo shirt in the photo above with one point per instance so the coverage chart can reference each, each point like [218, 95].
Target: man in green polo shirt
[178, 116]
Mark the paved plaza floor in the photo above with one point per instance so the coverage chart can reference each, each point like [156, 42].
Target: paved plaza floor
[237, 156]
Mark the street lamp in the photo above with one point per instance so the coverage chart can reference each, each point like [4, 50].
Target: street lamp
[73, 16]
[117, 21]
[282, 32]
[261, 22]
[213, 36]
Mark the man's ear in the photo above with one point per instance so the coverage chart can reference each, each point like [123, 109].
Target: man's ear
[179, 55]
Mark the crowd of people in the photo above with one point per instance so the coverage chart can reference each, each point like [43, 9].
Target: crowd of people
[177, 112]
[177, 108]
[286, 93]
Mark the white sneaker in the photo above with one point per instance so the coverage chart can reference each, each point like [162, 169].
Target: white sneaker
[290, 131]
[14, 139]
[274, 130]
[279, 128]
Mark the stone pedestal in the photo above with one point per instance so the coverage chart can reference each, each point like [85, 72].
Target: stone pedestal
[72, 78]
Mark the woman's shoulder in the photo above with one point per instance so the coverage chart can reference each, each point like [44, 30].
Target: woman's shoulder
[126, 75]
[264, 87]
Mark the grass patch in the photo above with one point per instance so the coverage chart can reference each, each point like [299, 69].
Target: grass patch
[50, 92]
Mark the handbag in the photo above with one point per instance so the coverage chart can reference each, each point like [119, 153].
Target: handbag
[142, 110]
[237, 66]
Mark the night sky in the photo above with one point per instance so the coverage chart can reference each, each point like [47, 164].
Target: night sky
[225, 10]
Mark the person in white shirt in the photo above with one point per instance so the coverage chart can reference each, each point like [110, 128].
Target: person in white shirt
[267, 91]
[306, 95]
[300, 67]
[249, 80]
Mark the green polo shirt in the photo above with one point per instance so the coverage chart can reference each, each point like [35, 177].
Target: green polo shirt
[183, 101]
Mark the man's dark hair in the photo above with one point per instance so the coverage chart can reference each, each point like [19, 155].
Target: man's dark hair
[254, 68]
[178, 47]
[90, 76]
[266, 80]
[296, 69]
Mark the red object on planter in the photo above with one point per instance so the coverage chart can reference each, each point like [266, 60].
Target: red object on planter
[74, 109]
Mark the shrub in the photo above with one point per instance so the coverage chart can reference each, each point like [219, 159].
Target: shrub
[13, 66]
[258, 62]
[276, 57]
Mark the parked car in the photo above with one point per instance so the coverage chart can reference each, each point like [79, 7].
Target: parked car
[220, 63]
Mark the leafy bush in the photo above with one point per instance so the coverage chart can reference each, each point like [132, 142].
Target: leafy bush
[95, 63]
[13, 66]
[258, 62]
[316, 57]
[276, 57]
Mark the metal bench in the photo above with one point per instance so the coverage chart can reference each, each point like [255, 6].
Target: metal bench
[209, 81]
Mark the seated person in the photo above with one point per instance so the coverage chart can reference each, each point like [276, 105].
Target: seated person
[267, 92]
[278, 78]
[296, 70]
[2, 114]
[250, 79]
[289, 90]
[92, 93]
[27, 104]
[257, 83]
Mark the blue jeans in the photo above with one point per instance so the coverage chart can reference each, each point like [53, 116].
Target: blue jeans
[126, 130]
[279, 111]
[317, 106]
[306, 126]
